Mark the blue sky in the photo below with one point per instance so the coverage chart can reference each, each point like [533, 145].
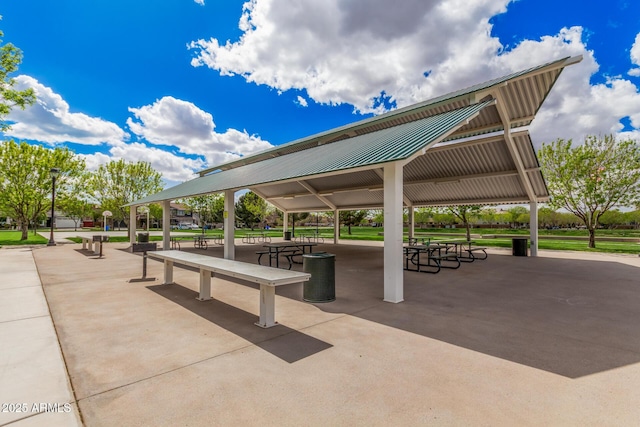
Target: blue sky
[188, 84]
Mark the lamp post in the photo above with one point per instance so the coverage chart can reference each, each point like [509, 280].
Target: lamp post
[54, 172]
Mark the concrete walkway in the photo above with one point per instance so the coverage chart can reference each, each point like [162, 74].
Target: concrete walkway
[34, 387]
[551, 340]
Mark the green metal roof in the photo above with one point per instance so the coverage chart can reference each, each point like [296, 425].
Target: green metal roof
[387, 145]
[437, 105]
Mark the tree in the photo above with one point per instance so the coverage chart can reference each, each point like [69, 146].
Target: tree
[155, 213]
[612, 218]
[118, 183]
[25, 180]
[210, 208]
[74, 207]
[10, 58]
[592, 178]
[465, 213]
[251, 209]
[516, 215]
[350, 218]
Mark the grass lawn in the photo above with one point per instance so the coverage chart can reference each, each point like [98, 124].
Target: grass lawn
[8, 237]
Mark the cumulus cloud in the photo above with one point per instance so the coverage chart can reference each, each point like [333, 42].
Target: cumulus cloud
[200, 2]
[174, 122]
[50, 120]
[635, 57]
[362, 52]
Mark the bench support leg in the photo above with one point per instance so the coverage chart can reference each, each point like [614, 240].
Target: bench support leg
[97, 246]
[267, 306]
[168, 272]
[90, 243]
[205, 285]
[84, 244]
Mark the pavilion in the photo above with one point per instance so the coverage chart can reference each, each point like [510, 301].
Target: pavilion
[469, 147]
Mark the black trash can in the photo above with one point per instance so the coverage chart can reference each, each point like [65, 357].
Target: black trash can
[519, 246]
[143, 237]
[321, 287]
[287, 235]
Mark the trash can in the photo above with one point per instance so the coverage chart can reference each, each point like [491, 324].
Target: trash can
[287, 235]
[519, 246]
[143, 237]
[321, 287]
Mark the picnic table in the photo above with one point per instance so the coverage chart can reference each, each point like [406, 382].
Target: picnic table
[464, 249]
[436, 254]
[288, 249]
[200, 241]
[259, 237]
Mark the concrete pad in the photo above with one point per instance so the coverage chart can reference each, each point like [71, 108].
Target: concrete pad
[506, 341]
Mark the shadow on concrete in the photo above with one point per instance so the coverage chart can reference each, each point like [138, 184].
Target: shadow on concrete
[569, 317]
[285, 343]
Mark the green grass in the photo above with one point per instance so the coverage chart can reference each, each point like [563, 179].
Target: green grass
[10, 238]
[375, 233]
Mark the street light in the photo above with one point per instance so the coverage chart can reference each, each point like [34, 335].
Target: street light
[54, 174]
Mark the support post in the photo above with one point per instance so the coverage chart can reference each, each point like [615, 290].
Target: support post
[412, 219]
[336, 226]
[267, 306]
[285, 222]
[229, 225]
[132, 224]
[533, 227]
[393, 274]
[168, 272]
[166, 225]
[205, 285]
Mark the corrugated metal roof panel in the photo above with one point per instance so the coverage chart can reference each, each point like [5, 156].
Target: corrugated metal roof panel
[387, 145]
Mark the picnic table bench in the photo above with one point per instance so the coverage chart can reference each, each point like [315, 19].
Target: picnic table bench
[268, 278]
[436, 258]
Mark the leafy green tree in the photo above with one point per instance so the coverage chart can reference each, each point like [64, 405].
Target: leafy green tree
[251, 209]
[119, 182]
[465, 213]
[516, 213]
[423, 216]
[210, 208]
[350, 218]
[25, 180]
[10, 58]
[612, 218]
[592, 178]
[155, 213]
[488, 215]
[74, 207]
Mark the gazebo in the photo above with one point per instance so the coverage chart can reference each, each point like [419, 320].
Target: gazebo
[469, 147]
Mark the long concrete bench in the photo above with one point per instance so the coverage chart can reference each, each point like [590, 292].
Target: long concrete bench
[267, 277]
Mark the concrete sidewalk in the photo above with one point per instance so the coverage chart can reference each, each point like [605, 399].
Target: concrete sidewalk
[34, 387]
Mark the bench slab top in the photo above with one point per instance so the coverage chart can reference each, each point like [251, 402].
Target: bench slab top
[243, 270]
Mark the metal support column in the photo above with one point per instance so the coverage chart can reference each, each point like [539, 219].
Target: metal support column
[533, 227]
[229, 225]
[393, 274]
[166, 225]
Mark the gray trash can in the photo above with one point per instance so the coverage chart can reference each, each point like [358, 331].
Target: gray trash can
[287, 235]
[519, 246]
[321, 287]
[143, 237]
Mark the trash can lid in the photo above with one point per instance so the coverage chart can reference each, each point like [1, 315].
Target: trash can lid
[318, 255]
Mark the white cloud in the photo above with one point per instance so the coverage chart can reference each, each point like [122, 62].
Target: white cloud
[173, 122]
[635, 57]
[301, 101]
[50, 120]
[351, 52]
[200, 2]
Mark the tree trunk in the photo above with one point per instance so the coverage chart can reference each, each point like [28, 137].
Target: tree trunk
[468, 231]
[592, 238]
[25, 231]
